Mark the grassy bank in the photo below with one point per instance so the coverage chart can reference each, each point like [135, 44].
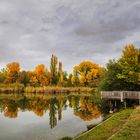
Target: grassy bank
[106, 129]
[131, 129]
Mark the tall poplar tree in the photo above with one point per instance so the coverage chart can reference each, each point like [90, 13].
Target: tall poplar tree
[60, 73]
[53, 69]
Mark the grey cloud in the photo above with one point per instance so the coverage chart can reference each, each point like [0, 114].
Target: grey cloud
[95, 30]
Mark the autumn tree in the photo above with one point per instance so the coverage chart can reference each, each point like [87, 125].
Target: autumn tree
[40, 76]
[33, 79]
[53, 69]
[87, 72]
[13, 70]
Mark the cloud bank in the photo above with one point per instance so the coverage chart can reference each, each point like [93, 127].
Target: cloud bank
[74, 30]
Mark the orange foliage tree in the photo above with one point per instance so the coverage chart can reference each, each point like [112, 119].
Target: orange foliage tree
[13, 70]
[40, 76]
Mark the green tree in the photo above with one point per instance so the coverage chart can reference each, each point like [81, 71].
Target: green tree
[123, 74]
[60, 73]
[53, 70]
[75, 78]
[69, 81]
[130, 65]
[111, 81]
[24, 78]
[65, 75]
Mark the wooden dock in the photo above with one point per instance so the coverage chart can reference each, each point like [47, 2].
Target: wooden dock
[120, 95]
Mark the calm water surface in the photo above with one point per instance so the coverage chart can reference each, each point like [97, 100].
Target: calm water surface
[45, 117]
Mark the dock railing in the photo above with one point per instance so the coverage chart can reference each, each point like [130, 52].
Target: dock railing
[120, 95]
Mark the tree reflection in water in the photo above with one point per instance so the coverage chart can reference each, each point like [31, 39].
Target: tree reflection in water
[10, 109]
[83, 106]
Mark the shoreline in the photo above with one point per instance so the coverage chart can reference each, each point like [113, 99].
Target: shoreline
[19, 88]
[112, 127]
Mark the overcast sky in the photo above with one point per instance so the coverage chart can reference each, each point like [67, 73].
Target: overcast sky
[74, 30]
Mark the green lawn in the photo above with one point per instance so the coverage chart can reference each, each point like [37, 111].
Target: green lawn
[111, 126]
[131, 129]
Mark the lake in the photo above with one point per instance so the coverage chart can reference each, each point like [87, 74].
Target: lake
[46, 117]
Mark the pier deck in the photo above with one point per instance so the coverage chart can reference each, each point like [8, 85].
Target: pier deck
[120, 95]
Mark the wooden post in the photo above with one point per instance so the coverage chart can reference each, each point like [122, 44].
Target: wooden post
[115, 103]
[111, 107]
[125, 105]
[121, 96]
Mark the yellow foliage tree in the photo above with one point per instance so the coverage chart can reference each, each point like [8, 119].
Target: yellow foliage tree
[87, 72]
